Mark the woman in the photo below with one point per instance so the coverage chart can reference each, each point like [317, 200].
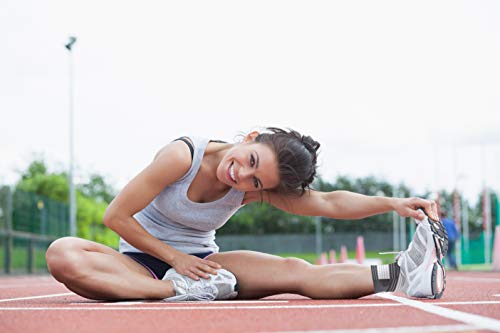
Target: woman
[167, 216]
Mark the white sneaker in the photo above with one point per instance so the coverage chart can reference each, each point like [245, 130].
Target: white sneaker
[220, 286]
[422, 272]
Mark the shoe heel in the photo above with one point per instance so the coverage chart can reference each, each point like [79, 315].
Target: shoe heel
[438, 281]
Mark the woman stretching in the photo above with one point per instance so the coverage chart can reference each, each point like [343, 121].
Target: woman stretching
[167, 216]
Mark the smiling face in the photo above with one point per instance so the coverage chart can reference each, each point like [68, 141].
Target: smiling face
[249, 166]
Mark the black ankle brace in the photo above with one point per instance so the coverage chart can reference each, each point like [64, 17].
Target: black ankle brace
[385, 277]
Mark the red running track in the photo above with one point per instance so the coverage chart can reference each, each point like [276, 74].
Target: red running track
[40, 304]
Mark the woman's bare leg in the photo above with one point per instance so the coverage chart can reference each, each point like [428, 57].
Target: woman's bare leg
[96, 271]
[261, 275]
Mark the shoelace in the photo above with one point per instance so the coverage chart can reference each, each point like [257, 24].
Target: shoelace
[397, 253]
[203, 292]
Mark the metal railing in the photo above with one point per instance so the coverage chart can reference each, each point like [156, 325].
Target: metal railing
[28, 223]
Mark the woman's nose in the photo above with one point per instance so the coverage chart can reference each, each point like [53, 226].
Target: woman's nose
[245, 173]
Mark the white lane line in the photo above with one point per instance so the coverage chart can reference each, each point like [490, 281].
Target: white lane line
[244, 302]
[402, 329]
[116, 303]
[146, 308]
[34, 297]
[31, 285]
[213, 306]
[466, 303]
[178, 303]
[464, 317]
[473, 279]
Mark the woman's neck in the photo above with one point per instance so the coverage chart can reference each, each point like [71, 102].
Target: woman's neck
[213, 156]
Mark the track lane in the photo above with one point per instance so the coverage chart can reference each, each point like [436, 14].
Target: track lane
[296, 314]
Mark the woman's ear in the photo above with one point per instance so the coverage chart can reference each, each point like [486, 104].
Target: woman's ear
[251, 136]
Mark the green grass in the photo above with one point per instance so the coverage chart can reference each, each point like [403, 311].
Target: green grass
[475, 267]
[20, 259]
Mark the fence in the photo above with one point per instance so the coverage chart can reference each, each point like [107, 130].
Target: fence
[28, 224]
[472, 249]
[304, 243]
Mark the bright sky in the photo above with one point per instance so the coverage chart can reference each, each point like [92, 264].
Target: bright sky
[406, 91]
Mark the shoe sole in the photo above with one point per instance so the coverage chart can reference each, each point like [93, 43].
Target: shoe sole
[440, 237]
[438, 281]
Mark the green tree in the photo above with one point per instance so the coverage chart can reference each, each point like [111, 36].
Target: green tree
[36, 179]
[92, 198]
[98, 189]
[37, 167]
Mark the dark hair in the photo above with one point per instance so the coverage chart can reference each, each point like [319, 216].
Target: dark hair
[297, 156]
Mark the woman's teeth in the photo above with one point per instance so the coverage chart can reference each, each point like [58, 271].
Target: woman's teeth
[231, 172]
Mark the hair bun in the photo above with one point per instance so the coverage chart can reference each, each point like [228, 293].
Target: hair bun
[311, 145]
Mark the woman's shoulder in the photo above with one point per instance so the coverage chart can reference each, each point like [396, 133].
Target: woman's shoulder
[176, 153]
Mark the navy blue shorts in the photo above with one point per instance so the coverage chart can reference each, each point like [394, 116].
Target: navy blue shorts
[155, 266]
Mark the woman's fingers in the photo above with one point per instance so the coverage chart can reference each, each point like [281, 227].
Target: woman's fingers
[430, 208]
[208, 269]
[200, 273]
[204, 267]
[435, 211]
[195, 267]
[188, 272]
[212, 264]
[418, 215]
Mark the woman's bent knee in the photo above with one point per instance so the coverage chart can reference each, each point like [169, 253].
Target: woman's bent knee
[63, 257]
[296, 264]
[59, 249]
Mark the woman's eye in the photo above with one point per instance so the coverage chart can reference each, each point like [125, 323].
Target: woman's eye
[252, 160]
[256, 183]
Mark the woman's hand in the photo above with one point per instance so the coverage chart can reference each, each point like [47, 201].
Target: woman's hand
[407, 207]
[194, 267]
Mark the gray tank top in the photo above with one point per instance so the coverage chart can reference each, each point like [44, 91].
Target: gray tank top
[181, 223]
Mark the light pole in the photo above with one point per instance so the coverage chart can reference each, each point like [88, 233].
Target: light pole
[319, 236]
[72, 195]
[396, 246]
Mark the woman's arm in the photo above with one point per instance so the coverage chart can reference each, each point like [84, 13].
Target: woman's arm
[169, 165]
[349, 205]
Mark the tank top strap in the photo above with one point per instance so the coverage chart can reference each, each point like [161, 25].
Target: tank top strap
[199, 146]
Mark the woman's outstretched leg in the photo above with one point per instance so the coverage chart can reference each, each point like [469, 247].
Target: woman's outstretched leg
[96, 271]
[418, 271]
[261, 275]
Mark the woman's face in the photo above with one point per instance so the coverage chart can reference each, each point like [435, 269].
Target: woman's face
[249, 166]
